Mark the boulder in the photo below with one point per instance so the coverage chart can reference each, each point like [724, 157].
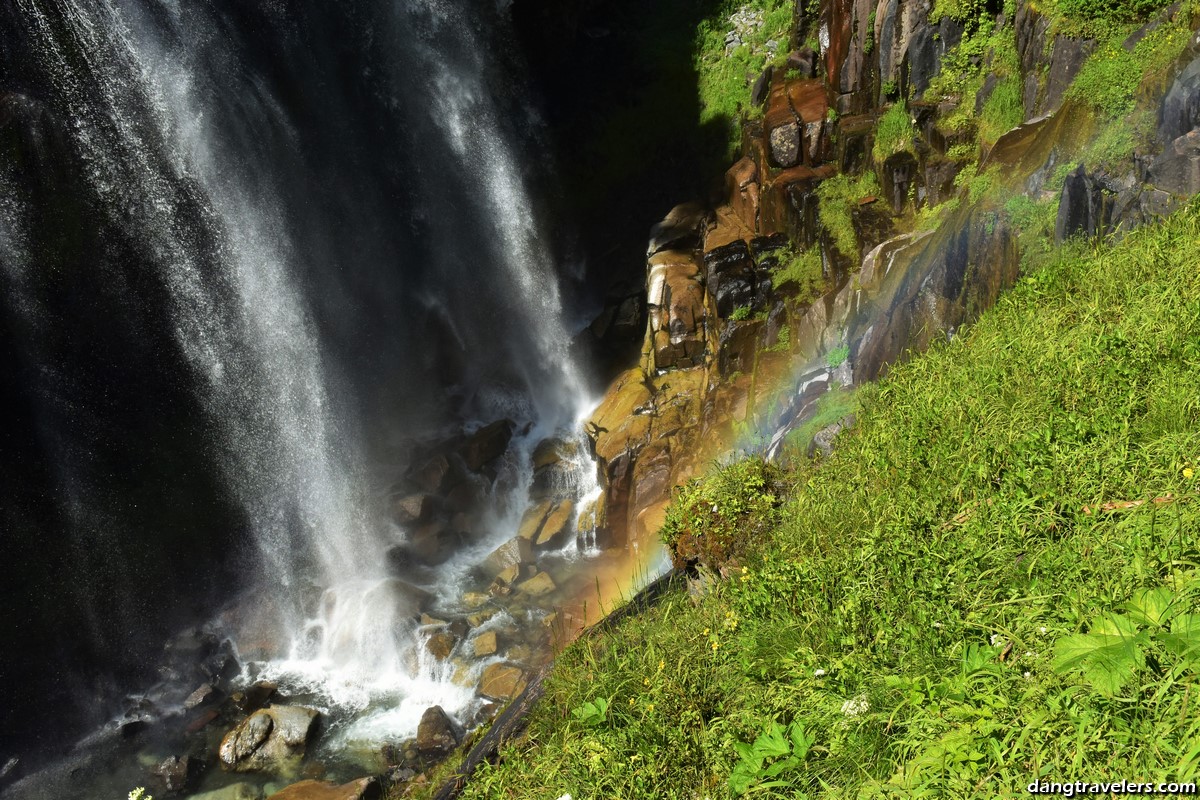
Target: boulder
[538, 585]
[412, 508]
[1179, 111]
[680, 229]
[268, 738]
[557, 525]
[487, 444]
[437, 733]
[502, 681]
[431, 476]
[785, 144]
[361, 789]
[485, 644]
[441, 644]
[516, 550]
[203, 695]
[174, 774]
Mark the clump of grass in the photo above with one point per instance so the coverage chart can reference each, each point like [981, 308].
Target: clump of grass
[894, 133]
[711, 522]
[928, 613]
[801, 269]
[837, 197]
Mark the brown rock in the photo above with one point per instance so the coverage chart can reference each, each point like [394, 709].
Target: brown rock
[485, 644]
[807, 99]
[413, 508]
[361, 789]
[557, 525]
[502, 681]
[175, 773]
[487, 443]
[440, 645]
[268, 738]
[538, 585]
[516, 550]
[437, 733]
[531, 523]
[204, 694]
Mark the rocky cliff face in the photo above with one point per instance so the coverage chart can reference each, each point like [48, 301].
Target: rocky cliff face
[735, 354]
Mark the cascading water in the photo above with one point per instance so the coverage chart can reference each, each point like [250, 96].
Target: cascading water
[340, 250]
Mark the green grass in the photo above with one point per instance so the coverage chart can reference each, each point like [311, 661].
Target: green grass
[801, 269]
[724, 80]
[894, 133]
[942, 608]
[838, 196]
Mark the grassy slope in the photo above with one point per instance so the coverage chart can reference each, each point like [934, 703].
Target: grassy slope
[864, 647]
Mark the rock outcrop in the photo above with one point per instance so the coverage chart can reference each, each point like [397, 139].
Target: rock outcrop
[268, 739]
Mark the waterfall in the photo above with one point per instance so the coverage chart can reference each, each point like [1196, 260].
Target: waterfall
[342, 242]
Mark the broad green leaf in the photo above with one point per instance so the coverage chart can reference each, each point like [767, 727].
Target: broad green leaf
[772, 744]
[1151, 606]
[1184, 638]
[1108, 656]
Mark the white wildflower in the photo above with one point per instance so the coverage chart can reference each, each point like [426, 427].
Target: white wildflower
[855, 707]
[1042, 630]
[818, 673]
[996, 639]
[937, 625]
[1028, 675]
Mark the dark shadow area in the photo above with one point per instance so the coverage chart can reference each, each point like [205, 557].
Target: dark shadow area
[620, 91]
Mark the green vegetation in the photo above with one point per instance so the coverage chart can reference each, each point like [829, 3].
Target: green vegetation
[837, 404]
[722, 78]
[993, 579]
[711, 521]
[838, 196]
[894, 133]
[740, 314]
[801, 269]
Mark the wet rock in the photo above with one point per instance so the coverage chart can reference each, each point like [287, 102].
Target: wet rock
[1177, 170]
[204, 694]
[741, 186]
[413, 508]
[1083, 207]
[785, 145]
[1066, 58]
[515, 551]
[738, 347]
[176, 773]
[923, 59]
[487, 444]
[538, 585]
[440, 645]
[485, 644]
[557, 526]
[437, 733]
[361, 789]
[897, 176]
[268, 738]
[679, 230]
[856, 138]
[730, 273]
[939, 181]
[202, 720]
[1179, 111]
[431, 476]
[502, 681]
